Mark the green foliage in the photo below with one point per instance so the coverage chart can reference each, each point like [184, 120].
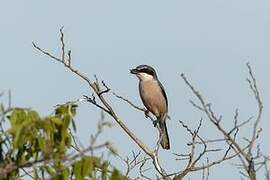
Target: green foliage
[35, 138]
[44, 144]
[116, 175]
[85, 167]
[47, 137]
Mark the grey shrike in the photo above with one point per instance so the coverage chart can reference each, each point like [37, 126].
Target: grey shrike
[154, 98]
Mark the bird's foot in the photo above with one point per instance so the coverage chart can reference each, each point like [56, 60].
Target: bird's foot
[146, 113]
[155, 123]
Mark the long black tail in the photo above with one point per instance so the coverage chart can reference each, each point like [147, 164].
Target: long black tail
[165, 142]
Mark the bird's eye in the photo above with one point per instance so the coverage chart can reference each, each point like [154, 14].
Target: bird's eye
[147, 71]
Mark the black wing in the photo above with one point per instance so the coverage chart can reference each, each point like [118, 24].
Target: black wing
[164, 93]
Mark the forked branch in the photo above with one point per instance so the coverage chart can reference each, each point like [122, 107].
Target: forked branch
[105, 106]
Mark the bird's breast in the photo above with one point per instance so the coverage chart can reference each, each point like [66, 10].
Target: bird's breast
[153, 97]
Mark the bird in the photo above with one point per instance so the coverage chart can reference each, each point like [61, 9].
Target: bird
[154, 99]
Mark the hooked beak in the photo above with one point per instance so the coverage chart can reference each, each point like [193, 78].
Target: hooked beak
[133, 71]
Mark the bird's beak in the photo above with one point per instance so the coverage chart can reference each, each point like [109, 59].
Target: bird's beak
[133, 71]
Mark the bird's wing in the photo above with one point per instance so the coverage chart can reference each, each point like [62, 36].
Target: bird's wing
[163, 92]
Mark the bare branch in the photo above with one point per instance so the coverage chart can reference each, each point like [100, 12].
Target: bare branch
[253, 86]
[105, 105]
[246, 158]
[62, 43]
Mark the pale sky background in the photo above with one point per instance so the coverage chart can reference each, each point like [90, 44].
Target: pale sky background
[210, 41]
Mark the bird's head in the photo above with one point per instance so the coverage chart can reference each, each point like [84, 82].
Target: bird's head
[144, 72]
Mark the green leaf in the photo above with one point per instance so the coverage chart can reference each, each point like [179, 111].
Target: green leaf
[66, 122]
[87, 166]
[77, 166]
[104, 169]
[57, 121]
[41, 143]
[116, 175]
[73, 109]
[19, 138]
[83, 168]
[60, 110]
[36, 176]
[17, 116]
[65, 173]
[33, 115]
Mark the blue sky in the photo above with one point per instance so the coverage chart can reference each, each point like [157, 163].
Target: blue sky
[210, 41]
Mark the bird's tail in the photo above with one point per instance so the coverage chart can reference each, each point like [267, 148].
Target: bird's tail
[165, 142]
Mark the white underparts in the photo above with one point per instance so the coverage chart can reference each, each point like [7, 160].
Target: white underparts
[144, 76]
